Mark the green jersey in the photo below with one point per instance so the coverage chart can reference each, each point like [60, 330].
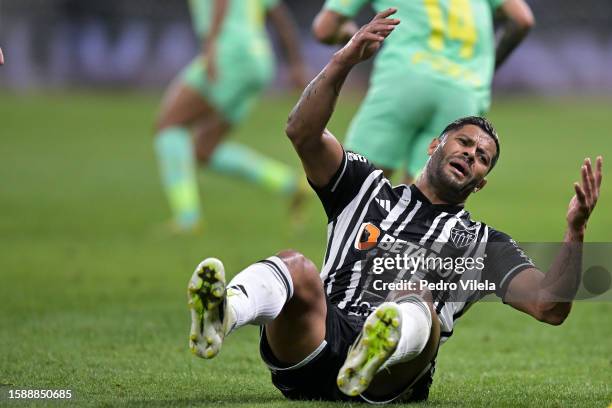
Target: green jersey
[453, 40]
[243, 26]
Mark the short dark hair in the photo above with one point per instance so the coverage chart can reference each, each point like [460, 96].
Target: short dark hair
[483, 124]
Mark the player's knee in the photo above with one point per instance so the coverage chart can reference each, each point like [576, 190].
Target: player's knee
[307, 285]
[161, 123]
[202, 155]
[424, 294]
[166, 120]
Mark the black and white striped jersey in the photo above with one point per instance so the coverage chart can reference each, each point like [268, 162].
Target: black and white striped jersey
[379, 236]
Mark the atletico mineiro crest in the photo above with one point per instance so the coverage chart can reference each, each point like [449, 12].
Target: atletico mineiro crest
[462, 237]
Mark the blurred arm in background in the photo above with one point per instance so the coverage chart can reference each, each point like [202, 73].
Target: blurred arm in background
[516, 21]
[331, 27]
[1, 57]
[210, 43]
[285, 26]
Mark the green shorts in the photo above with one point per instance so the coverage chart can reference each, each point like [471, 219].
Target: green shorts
[401, 114]
[240, 79]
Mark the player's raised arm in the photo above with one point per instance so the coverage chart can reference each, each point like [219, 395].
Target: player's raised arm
[517, 20]
[283, 22]
[548, 297]
[319, 150]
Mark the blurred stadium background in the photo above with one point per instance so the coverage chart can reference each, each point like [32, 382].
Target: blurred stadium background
[142, 44]
[92, 293]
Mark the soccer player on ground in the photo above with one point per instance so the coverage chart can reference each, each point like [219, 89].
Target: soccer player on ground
[214, 93]
[443, 56]
[344, 333]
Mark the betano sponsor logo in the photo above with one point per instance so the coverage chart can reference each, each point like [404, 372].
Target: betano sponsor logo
[403, 255]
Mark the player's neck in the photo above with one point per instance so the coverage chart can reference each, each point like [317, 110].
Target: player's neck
[430, 192]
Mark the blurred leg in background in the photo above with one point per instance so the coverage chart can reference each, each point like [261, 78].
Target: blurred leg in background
[190, 131]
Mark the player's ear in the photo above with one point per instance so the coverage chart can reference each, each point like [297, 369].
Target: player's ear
[433, 146]
[480, 185]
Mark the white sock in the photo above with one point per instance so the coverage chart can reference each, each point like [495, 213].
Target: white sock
[415, 330]
[258, 293]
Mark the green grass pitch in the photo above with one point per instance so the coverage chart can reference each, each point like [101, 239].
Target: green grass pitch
[93, 295]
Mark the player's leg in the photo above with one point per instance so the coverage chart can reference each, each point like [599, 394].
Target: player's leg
[450, 103]
[379, 130]
[238, 160]
[398, 341]
[416, 349]
[300, 328]
[209, 132]
[283, 292]
[242, 86]
[417, 154]
[181, 107]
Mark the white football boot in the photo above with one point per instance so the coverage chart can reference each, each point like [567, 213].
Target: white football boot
[210, 314]
[377, 341]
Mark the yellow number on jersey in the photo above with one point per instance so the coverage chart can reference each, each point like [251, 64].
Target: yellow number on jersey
[436, 21]
[460, 25]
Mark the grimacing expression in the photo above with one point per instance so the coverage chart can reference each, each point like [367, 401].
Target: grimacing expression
[461, 160]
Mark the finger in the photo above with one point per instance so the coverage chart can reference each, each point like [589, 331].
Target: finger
[373, 37]
[385, 13]
[390, 21]
[383, 32]
[580, 194]
[376, 26]
[590, 176]
[598, 174]
[585, 183]
[387, 29]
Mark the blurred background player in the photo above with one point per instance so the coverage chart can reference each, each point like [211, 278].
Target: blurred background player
[214, 93]
[441, 59]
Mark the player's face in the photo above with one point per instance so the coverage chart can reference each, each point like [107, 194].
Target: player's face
[460, 162]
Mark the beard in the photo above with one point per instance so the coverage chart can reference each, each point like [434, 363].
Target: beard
[447, 187]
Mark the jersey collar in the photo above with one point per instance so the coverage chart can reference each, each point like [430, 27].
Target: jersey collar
[448, 208]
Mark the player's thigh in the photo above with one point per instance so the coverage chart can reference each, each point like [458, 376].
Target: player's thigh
[397, 106]
[450, 103]
[453, 103]
[300, 327]
[417, 156]
[241, 80]
[208, 133]
[379, 130]
[185, 100]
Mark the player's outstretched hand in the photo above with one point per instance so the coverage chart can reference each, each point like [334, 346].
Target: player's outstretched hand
[368, 39]
[587, 192]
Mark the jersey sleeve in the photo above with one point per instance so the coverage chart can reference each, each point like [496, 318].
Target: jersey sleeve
[348, 8]
[504, 260]
[352, 175]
